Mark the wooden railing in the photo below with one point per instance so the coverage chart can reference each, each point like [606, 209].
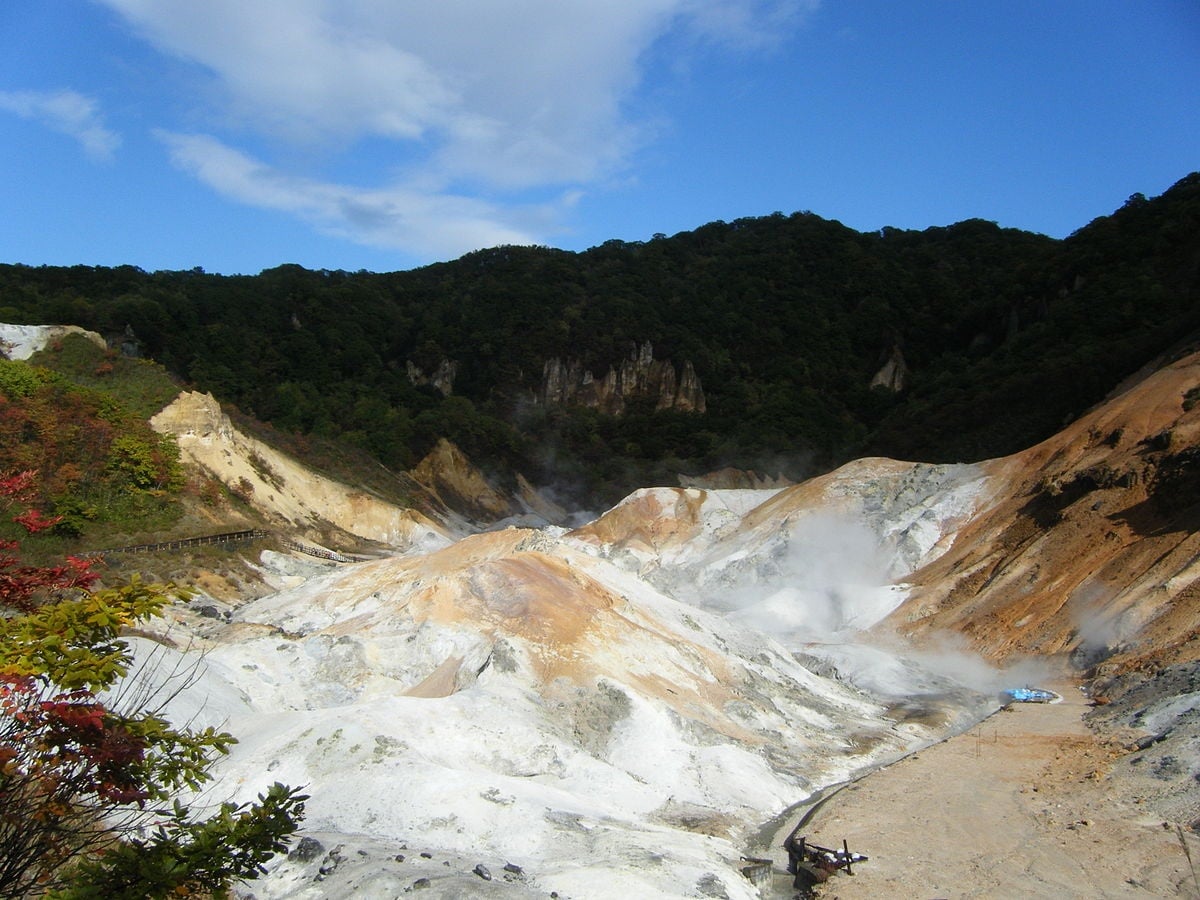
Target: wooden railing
[313, 551]
[229, 537]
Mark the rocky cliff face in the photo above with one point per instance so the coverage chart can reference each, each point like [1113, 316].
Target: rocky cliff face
[441, 378]
[638, 375]
[893, 374]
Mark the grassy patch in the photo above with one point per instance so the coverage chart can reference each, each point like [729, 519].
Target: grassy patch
[141, 386]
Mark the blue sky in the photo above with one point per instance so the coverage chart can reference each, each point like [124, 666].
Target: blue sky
[237, 135]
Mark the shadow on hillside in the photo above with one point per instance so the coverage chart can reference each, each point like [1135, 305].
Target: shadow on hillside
[1173, 501]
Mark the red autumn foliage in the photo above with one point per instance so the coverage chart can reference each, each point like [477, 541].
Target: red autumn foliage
[21, 587]
[68, 739]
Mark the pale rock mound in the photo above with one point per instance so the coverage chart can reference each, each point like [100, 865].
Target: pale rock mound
[516, 698]
[22, 341]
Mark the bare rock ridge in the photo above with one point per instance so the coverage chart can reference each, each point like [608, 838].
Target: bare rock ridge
[449, 475]
[638, 375]
[893, 374]
[449, 492]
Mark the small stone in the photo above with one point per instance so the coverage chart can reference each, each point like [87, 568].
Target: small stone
[421, 884]
[513, 869]
[426, 856]
[399, 857]
[307, 850]
[482, 871]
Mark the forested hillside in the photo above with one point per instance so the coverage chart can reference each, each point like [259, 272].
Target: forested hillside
[82, 429]
[785, 320]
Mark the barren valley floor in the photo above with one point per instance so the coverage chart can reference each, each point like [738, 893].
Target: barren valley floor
[1021, 805]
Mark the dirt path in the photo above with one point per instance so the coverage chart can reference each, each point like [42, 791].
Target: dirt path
[1019, 806]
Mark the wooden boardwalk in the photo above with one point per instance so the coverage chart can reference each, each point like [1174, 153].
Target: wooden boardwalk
[229, 537]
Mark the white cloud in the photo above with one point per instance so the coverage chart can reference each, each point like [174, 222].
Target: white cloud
[402, 218]
[746, 24]
[473, 95]
[68, 112]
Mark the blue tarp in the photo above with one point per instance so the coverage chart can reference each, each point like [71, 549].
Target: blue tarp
[1028, 695]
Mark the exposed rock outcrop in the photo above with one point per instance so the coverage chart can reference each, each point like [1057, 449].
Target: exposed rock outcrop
[447, 474]
[441, 378]
[22, 341]
[638, 375]
[455, 488]
[299, 499]
[893, 374]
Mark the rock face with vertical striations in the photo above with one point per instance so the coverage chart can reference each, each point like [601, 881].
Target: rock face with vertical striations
[441, 378]
[893, 374]
[639, 375]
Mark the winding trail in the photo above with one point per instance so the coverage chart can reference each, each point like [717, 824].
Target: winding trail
[1019, 806]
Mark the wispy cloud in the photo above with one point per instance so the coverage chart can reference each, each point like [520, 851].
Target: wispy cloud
[471, 96]
[68, 112]
[433, 224]
[747, 24]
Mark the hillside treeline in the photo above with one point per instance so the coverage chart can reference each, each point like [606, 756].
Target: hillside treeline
[785, 318]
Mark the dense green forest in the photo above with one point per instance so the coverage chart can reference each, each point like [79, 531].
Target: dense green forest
[785, 319]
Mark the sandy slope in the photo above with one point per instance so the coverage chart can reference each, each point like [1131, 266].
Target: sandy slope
[1021, 805]
[1091, 542]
